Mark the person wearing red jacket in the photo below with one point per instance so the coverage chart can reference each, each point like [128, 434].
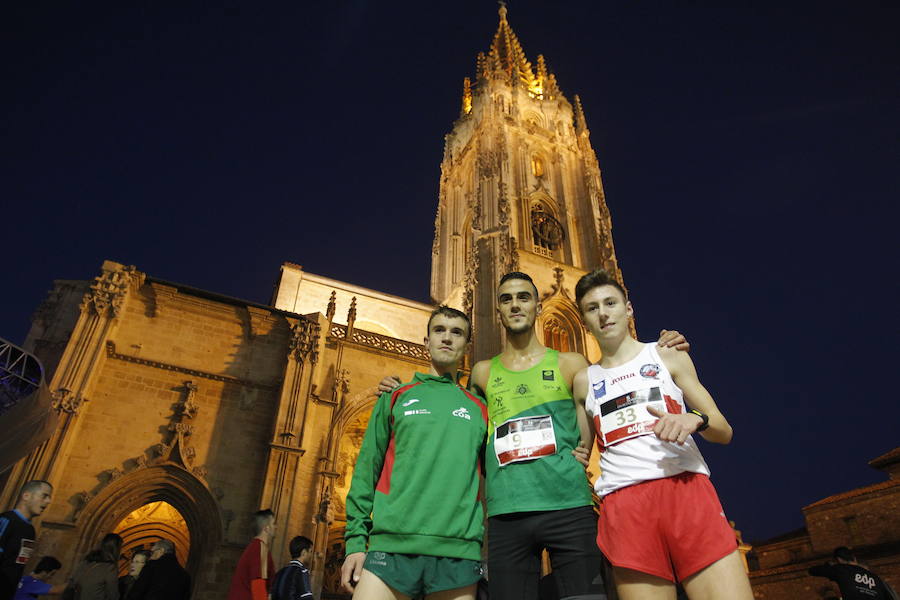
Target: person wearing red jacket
[255, 568]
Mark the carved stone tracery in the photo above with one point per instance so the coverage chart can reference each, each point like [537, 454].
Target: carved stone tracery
[436, 243]
[341, 385]
[64, 401]
[108, 290]
[304, 342]
[470, 279]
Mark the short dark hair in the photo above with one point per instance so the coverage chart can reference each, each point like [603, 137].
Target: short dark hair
[453, 314]
[522, 276]
[844, 553]
[261, 518]
[33, 486]
[47, 564]
[299, 544]
[596, 278]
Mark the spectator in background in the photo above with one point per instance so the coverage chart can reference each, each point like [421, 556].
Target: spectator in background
[292, 581]
[254, 569]
[162, 578]
[98, 577]
[138, 560]
[17, 535]
[37, 584]
[854, 580]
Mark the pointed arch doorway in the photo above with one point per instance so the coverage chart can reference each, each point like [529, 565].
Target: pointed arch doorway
[136, 504]
[150, 523]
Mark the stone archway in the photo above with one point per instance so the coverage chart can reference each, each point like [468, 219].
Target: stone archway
[144, 526]
[167, 483]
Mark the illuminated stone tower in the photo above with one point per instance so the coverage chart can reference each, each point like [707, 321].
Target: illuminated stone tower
[520, 190]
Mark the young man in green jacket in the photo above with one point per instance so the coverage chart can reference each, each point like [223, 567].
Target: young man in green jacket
[414, 519]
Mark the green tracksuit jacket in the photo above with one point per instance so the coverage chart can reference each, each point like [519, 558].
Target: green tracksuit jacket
[415, 485]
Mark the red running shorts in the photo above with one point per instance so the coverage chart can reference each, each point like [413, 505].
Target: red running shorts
[671, 527]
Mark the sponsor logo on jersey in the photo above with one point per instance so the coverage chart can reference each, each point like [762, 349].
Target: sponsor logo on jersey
[865, 579]
[408, 402]
[626, 400]
[498, 381]
[522, 389]
[418, 411]
[599, 389]
[547, 375]
[620, 378]
[650, 371]
[462, 413]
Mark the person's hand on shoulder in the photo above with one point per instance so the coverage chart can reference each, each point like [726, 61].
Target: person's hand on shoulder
[673, 339]
[389, 384]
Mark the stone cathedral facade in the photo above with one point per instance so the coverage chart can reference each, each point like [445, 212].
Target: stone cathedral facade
[182, 411]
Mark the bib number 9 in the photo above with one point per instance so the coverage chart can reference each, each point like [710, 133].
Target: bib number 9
[525, 438]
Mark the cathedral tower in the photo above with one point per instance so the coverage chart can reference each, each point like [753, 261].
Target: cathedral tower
[520, 191]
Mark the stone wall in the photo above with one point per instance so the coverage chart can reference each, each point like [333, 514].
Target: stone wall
[215, 405]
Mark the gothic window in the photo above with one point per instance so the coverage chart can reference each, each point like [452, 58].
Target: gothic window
[557, 336]
[547, 233]
[537, 166]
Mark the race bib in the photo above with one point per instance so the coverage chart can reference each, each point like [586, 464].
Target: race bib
[525, 438]
[26, 549]
[626, 417]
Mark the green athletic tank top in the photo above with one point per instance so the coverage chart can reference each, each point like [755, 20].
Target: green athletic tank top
[527, 410]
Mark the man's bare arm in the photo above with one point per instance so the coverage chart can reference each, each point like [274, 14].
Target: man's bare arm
[586, 428]
[696, 396]
[478, 379]
[571, 364]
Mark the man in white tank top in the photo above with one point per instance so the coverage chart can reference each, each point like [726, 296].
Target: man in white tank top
[661, 522]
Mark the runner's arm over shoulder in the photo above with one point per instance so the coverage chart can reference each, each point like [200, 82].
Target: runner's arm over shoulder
[696, 396]
[361, 497]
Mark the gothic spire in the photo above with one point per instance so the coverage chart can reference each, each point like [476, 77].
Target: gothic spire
[506, 57]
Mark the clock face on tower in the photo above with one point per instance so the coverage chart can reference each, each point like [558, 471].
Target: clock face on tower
[547, 231]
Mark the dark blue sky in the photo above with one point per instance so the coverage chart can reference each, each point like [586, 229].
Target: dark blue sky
[749, 153]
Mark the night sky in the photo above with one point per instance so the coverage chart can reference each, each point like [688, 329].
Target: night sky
[749, 157]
